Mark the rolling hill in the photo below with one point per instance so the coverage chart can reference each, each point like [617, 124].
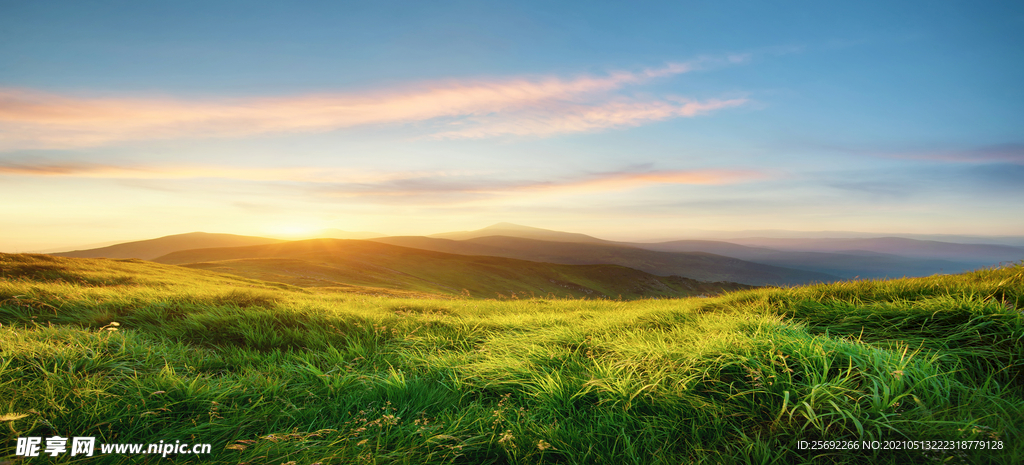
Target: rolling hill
[337, 262]
[332, 233]
[153, 248]
[756, 261]
[526, 232]
[699, 266]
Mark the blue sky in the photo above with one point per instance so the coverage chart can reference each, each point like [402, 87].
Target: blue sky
[129, 120]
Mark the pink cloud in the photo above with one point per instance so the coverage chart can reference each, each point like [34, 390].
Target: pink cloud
[631, 180]
[521, 106]
[462, 189]
[583, 118]
[377, 182]
[400, 186]
[288, 174]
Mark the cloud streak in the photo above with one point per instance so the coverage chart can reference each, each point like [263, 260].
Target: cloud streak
[585, 118]
[285, 174]
[1000, 153]
[461, 189]
[394, 186]
[483, 108]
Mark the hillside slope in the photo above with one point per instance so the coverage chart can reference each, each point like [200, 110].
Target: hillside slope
[332, 262]
[693, 265]
[153, 248]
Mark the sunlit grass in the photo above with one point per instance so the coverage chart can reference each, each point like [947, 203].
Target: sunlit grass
[271, 373]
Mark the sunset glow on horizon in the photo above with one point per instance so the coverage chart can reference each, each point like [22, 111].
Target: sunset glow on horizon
[128, 121]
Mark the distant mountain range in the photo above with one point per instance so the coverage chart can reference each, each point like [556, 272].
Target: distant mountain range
[732, 236]
[695, 265]
[843, 263]
[752, 260]
[846, 258]
[526, 232]
[895, 246]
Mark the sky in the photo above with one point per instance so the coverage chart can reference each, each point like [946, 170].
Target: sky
[127, 120]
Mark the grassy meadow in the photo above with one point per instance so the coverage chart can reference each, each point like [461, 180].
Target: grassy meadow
[134, 351]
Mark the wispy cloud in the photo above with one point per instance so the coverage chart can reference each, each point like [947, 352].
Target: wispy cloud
[456, 189]
[165, 172]
[567, 118]
[1010, 152]
[402, 186]
[999, 153]
[624, 180]
[991, 154]
[515, 106]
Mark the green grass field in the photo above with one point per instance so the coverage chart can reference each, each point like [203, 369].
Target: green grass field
[138, 352]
